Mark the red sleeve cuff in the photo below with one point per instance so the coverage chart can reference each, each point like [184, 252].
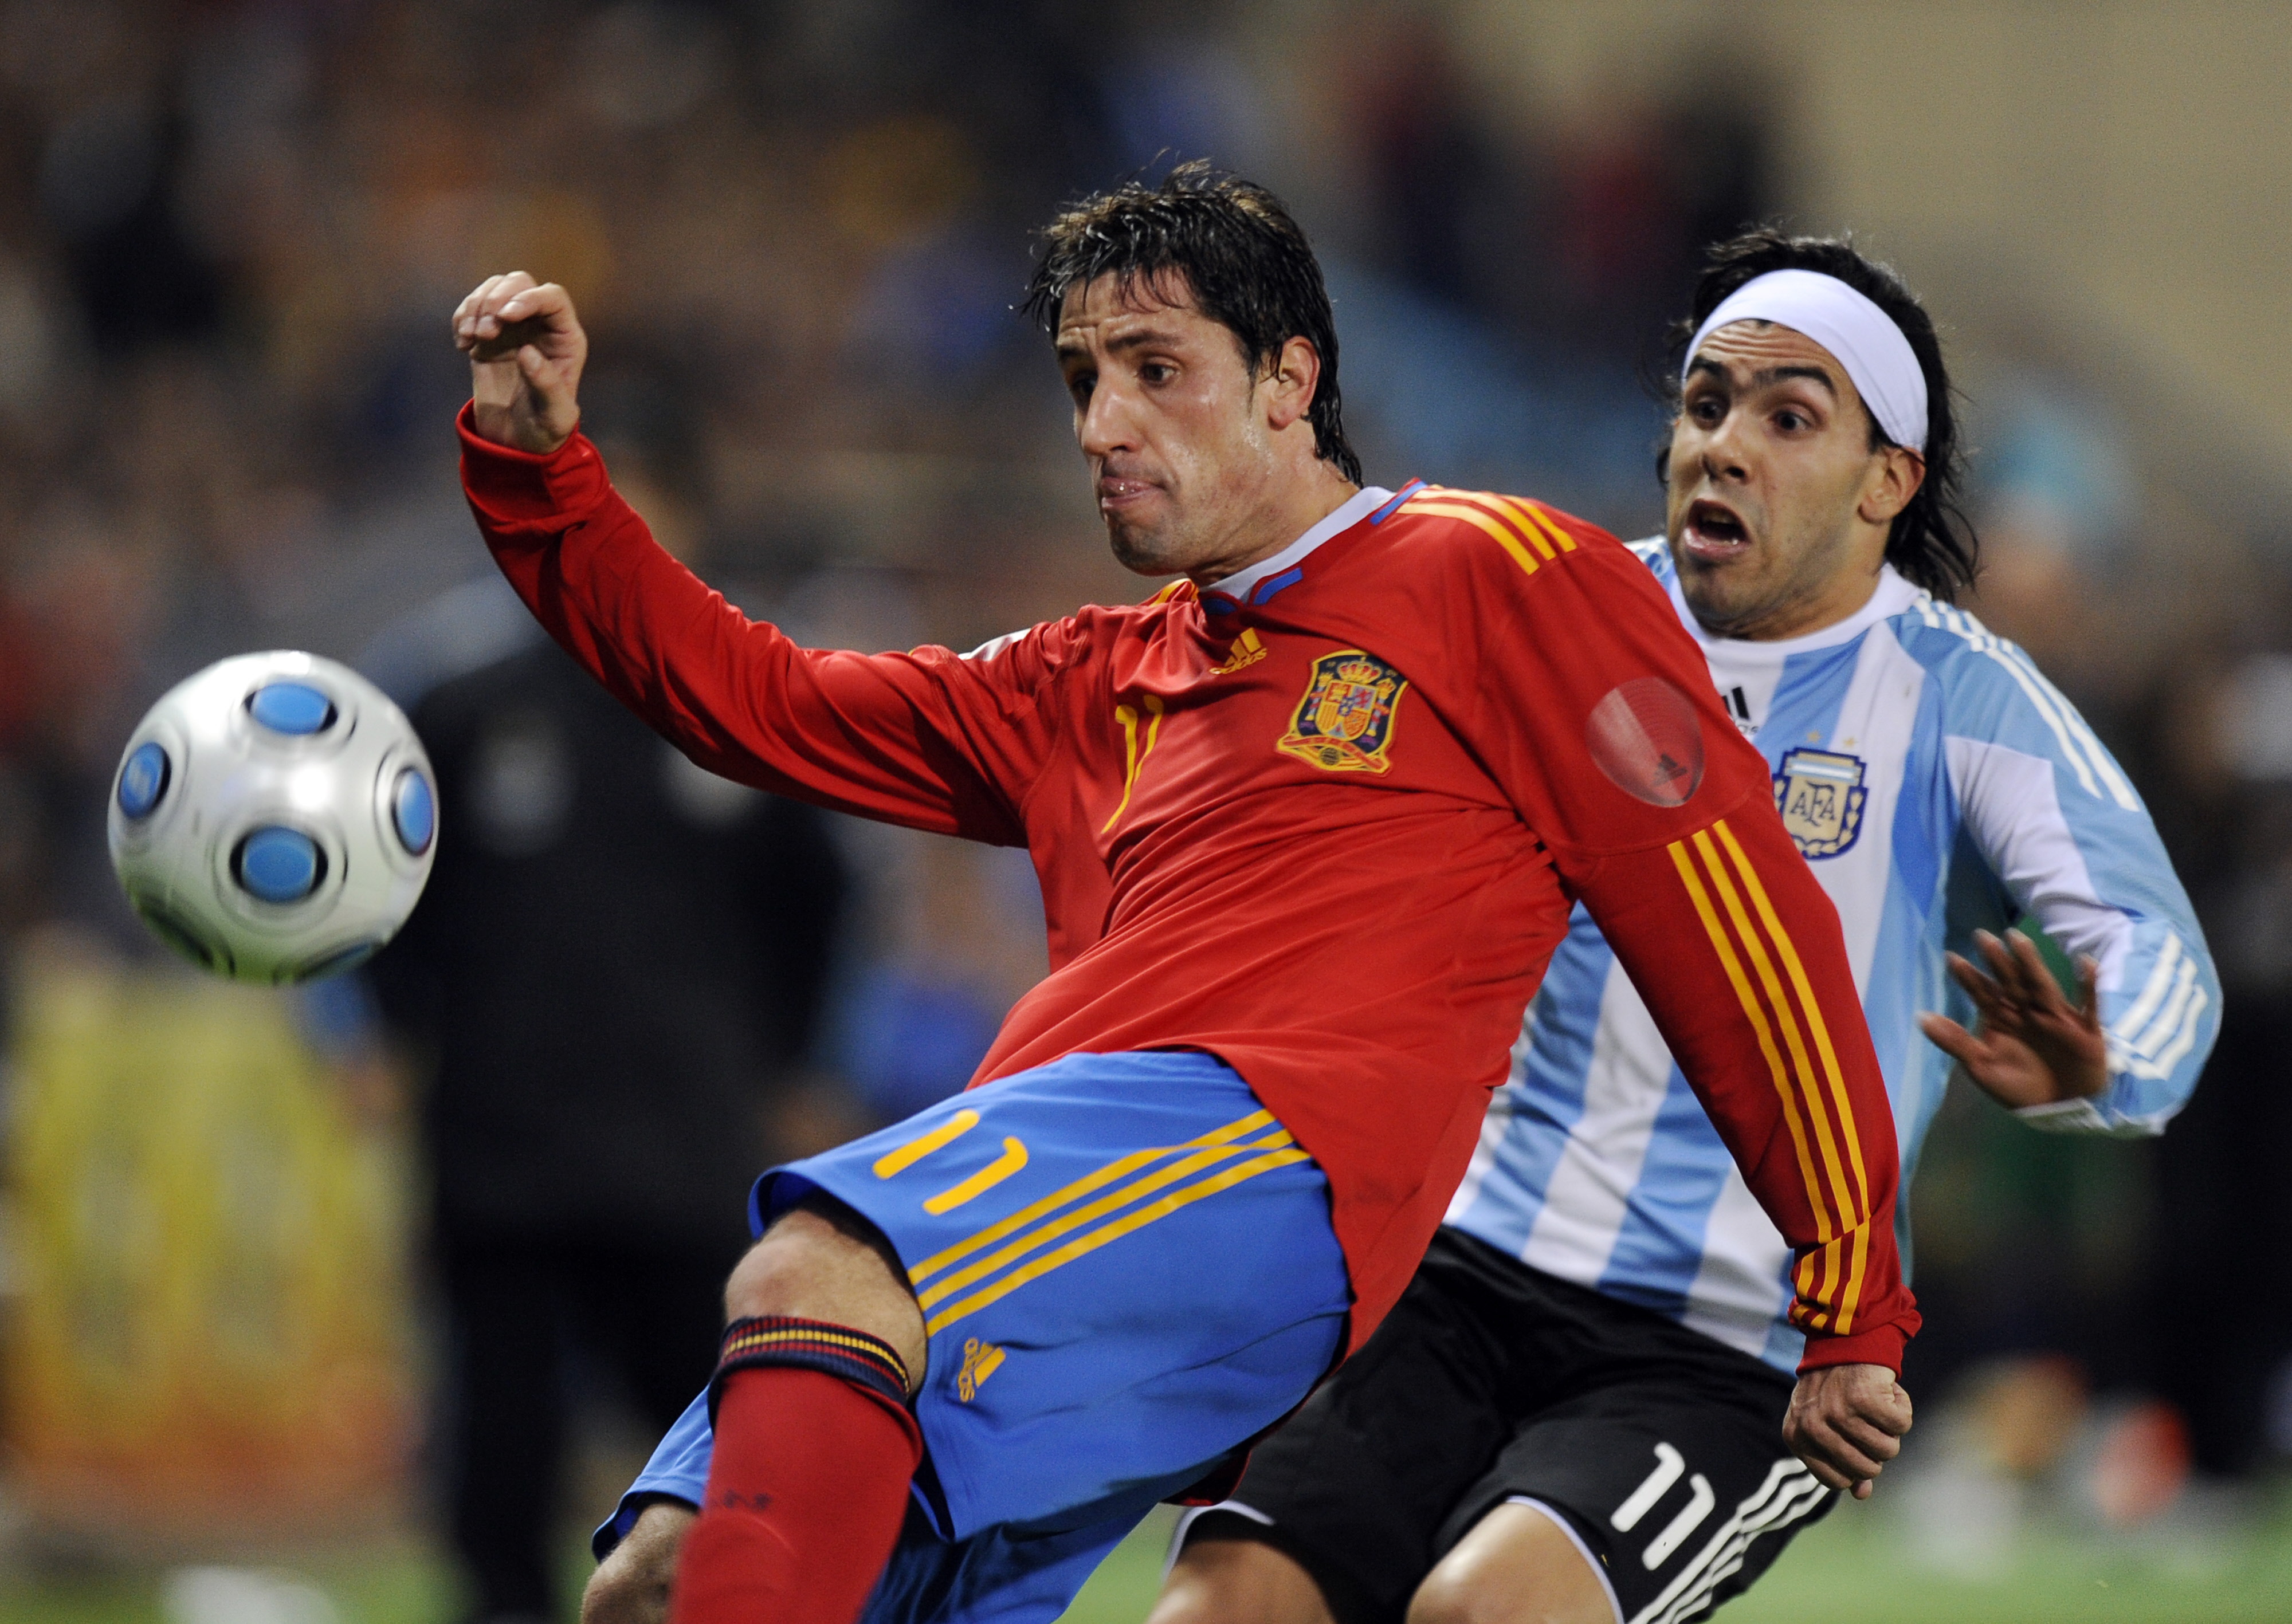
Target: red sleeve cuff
[1879, 1344]
[511, 486]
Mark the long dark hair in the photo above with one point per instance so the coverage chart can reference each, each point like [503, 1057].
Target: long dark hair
[1932, 542]
[1246, 261]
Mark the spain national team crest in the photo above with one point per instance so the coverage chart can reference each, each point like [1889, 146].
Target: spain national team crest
[1819, 794]
[1344, 722]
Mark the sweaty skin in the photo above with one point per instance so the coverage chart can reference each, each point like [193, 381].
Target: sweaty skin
[1200, 466]
[1777, 507]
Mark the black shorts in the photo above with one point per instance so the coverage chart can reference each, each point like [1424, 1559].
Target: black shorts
[1658, 1450]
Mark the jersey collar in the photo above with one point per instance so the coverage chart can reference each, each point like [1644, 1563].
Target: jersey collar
[1893, 595]
[1264, 578]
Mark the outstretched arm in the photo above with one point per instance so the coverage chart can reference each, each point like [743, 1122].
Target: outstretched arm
[2055, 823]
[924, 738]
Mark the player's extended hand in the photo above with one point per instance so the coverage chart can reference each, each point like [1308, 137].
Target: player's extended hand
[2032, 1046]
[1847, 1421]
[526, 350]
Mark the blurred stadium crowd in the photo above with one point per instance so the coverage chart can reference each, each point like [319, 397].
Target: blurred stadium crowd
[230, 237]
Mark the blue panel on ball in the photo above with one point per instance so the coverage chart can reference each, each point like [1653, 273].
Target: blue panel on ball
[143, 780]
[279, 865]
[413, 808]
[291, 707]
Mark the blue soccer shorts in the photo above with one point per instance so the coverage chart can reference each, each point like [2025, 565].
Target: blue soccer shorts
[1126, 1270]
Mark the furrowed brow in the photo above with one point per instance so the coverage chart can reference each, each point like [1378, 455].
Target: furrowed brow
[1766, 378]
[1144, 337]
[1776, 374]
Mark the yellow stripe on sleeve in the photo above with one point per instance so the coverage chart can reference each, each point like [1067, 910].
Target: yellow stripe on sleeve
[1733, 966]
[1801, 1063]
[1451, 508]
[1858, 1219]
[1822, 1030]
[1853, 1298]
[1555, 530]
[1524, 521]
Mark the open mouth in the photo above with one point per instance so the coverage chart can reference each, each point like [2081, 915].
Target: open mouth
[1713, 531]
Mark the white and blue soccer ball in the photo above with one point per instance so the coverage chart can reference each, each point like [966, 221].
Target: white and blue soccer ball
[274, 817]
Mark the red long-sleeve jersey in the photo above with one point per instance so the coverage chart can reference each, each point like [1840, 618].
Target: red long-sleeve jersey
[1330, 835]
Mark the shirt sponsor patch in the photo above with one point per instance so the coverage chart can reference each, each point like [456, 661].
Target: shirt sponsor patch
[1344, 722]
[1644, 737]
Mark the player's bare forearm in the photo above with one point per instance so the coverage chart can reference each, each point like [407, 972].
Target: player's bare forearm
[526, 349]
[2031, 1046]
[1847, 1421]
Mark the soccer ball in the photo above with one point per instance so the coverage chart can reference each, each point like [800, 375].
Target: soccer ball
[274, 817]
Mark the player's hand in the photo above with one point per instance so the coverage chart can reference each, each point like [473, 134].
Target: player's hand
[2032, 1046]
[526, 350]
[1847, 1421]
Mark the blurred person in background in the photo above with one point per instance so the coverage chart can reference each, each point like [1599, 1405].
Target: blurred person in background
[1579, 1412]
[2223, 725]
[612, 984]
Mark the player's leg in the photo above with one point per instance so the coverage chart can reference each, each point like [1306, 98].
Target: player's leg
[1011, 1575]
[1520, 1565]
[1128, 1270]
[631, 1584]
[655, 1306]
[1339, 1513]
[813, 1444]
[637, 1549]
[1219, 1579]
[1652, 1497]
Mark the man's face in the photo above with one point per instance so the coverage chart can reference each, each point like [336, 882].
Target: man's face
[1778, 506]
[1168, 414]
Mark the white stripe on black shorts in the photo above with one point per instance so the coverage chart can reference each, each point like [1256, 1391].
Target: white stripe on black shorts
[1660, 1449]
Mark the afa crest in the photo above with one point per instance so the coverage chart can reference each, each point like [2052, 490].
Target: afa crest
[1819, 794]
[1344, 722]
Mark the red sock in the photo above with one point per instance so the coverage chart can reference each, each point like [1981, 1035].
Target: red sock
[806, 1492]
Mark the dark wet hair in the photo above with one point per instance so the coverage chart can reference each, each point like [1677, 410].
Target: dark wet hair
[1246, 261]
[1932, 542]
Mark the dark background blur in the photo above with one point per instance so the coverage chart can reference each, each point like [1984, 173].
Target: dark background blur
[231, 235]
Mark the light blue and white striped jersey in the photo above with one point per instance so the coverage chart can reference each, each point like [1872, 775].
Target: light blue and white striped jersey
[1938, 785]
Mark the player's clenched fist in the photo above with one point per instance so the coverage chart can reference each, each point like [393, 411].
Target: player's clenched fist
[526, 350]
[1846, 1422]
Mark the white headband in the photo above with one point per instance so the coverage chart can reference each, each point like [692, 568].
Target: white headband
[1863, 337]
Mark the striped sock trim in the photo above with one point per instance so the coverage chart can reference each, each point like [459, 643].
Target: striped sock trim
[786, 1343]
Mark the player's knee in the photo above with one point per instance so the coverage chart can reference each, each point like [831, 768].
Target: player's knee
[1448, 1596]
[822, 1261]
[1238, 1582]
[1515, 1568]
